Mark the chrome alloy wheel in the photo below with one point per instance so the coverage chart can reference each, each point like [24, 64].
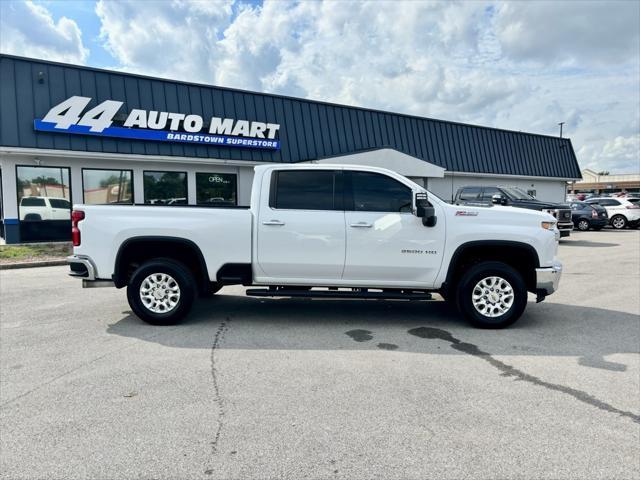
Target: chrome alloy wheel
[159, 293]
[619, 222]
[492, 296]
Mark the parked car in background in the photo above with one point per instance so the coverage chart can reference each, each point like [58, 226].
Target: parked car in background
[622, 212]
[572, 197]
[515, 197]
[44, 208]
[586, 216]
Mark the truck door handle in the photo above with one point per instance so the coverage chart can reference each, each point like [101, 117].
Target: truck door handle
[273, 222]
[361, 225]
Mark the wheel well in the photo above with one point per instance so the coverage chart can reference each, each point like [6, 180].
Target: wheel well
[521, 257]
[135, 251]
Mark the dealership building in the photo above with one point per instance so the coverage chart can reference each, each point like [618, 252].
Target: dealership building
[72, 134]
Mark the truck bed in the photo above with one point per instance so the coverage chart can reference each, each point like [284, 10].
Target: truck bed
[106, 227]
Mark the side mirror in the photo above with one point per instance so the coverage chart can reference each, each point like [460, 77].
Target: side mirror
[498, 199]
[425, 210]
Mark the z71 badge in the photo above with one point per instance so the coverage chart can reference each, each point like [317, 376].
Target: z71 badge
[466, 213]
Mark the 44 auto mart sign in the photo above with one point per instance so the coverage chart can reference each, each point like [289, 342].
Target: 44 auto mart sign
[68, 117]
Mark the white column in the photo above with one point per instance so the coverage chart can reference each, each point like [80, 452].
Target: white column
[9, 193]
[75, 172]
[138, 185]
[191, 186]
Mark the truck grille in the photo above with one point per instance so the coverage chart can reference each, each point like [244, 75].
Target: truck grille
[564, 215]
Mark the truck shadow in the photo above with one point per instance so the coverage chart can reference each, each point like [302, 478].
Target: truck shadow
[546, 329]
[587, 243]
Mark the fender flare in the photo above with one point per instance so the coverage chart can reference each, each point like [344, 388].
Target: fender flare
[486, 243]
[119, 275]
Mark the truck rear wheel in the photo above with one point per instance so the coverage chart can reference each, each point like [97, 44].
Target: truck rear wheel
[161, 291]
[491, 295]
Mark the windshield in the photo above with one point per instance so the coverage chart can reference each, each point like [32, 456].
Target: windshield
[517, 193]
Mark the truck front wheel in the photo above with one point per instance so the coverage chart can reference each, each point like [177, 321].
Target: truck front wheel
[491, 295]
[161, 291]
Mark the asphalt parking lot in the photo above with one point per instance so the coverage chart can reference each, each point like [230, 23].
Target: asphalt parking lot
[281, 388]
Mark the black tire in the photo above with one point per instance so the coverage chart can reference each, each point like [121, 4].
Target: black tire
[180, 307]
[619, 222]
[32, 217]
[583, 225]
[472, 277]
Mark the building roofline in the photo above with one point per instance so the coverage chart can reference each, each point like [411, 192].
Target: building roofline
[274, 95]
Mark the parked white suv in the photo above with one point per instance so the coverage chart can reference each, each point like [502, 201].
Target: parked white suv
[622, 212]
[44, 208]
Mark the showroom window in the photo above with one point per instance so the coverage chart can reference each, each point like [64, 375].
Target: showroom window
[44, 203]
[216, 189]
[101, 187]
[165, 188]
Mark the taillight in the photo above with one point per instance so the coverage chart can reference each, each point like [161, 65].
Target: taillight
[76, 217]
[632, 207]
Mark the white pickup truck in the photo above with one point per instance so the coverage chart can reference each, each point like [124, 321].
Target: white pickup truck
[322, 231]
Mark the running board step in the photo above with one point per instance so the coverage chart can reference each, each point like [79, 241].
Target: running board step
[333, 293]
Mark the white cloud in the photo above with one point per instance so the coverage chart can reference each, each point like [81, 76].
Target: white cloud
[576, 32]
[621, 154]
[28, 29]
[176, 38]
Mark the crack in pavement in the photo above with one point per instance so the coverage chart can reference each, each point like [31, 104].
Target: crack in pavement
[510, 371]
[222, 328]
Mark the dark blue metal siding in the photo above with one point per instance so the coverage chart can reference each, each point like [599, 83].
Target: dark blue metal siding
[308, 130]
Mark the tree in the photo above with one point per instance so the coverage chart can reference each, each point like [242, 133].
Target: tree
[42, 180]
[110, 180]
[603, 172]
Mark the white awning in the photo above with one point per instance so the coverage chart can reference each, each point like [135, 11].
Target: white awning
[388, 158]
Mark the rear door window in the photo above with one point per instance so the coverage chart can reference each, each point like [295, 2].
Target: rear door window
[59, 203]
[306, 190]
[489, 192]
[470, 194]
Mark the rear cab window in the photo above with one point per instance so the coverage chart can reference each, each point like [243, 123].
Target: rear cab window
[469, 194]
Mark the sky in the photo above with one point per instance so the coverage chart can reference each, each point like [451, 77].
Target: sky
[514, 65]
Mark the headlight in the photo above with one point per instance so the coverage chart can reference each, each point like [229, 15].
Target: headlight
[548, 225]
